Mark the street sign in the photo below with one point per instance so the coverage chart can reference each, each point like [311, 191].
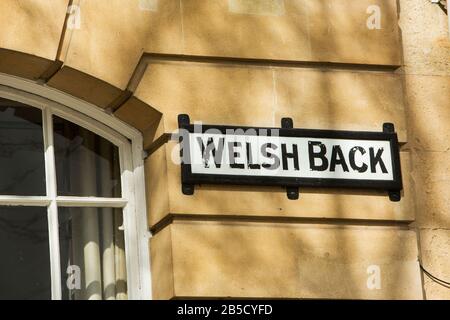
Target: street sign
[289, 157]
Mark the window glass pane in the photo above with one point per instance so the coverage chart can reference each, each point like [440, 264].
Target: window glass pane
[22, 167]
[86, 164]
[25, 256]
[92, 254]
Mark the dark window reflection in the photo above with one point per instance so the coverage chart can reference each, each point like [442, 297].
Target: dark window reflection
[25, 256]
[92, 254]
[22, 167]
[86, 164]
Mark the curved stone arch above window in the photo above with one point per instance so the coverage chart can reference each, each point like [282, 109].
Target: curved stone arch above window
[108, 98]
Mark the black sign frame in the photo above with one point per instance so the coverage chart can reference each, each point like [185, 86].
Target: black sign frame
[392, 187]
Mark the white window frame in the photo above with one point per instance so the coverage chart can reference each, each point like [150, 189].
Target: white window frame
[130, 144]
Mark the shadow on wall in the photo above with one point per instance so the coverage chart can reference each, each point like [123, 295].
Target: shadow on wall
[261, 96]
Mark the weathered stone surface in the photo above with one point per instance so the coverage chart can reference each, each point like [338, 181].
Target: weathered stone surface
[428, 118]
[142, 117]
[84, 86]
[426, 44]
[32, 26]
[224, 94]
[268, 260]
[428, 112]
[342, 100]
[212, 94]
[22, 65]
[138, 114]
[258, 7]
[109, 45]
[426, 49]
[161, 264]
[294, 30]
[431, 177]
[158, 194]
[435, 254]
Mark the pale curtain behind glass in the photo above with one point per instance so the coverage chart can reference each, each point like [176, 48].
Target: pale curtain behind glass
[91, 238]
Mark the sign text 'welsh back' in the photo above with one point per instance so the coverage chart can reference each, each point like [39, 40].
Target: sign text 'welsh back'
[290, 157]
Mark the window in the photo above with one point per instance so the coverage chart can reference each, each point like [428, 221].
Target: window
[68, 213]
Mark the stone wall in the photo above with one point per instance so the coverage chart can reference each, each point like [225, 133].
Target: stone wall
[339, 64]
[426, 73]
